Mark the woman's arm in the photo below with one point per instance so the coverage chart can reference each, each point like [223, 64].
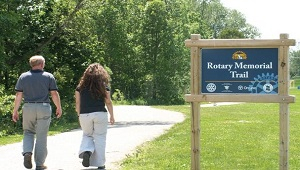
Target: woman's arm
[109, 106]
[77, 102]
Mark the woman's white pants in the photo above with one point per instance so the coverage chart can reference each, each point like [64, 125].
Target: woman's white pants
[94, 128]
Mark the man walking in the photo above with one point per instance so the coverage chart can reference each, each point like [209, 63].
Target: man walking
[34, 86]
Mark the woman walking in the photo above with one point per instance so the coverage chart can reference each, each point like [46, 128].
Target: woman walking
[92, 95]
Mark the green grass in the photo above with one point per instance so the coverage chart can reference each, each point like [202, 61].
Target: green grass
[244, 137]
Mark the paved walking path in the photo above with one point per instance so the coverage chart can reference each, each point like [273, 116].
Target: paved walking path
[134, 126]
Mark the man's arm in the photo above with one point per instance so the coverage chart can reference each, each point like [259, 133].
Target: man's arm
[56, 101]
[17, 103]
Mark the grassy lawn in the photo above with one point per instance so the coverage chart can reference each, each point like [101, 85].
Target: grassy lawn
[244, 136]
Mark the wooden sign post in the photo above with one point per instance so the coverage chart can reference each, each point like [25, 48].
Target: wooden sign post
[240, 70]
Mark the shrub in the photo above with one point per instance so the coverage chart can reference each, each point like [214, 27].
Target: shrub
[8, 127]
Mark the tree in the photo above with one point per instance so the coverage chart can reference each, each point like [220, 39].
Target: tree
[220, 18]
[10, 37]
[117, 26]
[295, 63]
[154, 29]
[164, 29]
[235, 23]
[141, 42]
[231, 34]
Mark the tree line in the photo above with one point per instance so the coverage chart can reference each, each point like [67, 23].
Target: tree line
[141, 43]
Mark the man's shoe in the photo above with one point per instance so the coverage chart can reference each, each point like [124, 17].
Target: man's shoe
[101, 167]
[27, 160]
[42, 167]
[86, 159]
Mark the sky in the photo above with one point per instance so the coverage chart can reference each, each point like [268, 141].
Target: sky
[271, 17]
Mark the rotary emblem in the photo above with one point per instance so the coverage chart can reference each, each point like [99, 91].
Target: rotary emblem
[211, 87]
[264, 84]
[239, 55]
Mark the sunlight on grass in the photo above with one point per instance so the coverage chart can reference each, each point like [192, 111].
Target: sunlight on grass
[244, 136]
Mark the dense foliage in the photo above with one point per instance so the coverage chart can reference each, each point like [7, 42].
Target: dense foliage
[141, 43]
[295, 64]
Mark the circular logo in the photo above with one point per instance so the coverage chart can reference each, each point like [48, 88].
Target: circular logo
[264, 84]
[268, 88]
[239, 55]
[211, 87]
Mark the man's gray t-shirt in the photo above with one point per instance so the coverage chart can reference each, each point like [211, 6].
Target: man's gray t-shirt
[35, 85]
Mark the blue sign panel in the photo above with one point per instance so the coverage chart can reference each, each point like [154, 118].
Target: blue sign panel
[246, 70]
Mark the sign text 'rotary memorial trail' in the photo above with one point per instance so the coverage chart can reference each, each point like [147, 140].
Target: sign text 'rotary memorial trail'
[244, 70]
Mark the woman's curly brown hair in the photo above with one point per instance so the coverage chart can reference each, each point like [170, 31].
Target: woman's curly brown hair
[95, 78]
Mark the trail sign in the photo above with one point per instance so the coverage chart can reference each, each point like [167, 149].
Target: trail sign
[240, 70]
